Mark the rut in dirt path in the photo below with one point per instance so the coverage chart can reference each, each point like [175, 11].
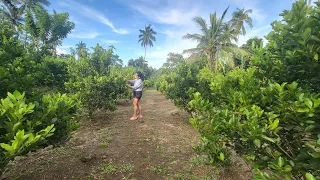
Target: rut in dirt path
[110, 146]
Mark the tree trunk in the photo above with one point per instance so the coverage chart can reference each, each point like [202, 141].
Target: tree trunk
[145, 51]
[210, 61]
[216, 62]
[309, 3]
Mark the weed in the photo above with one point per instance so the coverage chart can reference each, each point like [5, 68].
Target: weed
[197, 160]
[160, 170]
[126, 167]
[160, 148]
[104, 144]
[108, 168]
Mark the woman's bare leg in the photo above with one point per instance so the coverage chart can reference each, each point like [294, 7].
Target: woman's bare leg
[135, 107]
[140, 109]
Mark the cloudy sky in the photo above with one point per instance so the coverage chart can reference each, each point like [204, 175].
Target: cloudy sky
[117, 22]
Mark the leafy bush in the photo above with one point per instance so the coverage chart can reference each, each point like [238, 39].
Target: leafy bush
[180, 84]
[18, 132]
[294, 47]
[275, 127]
[96, 83]
[16, 68]
[57, 109]
[52, 72]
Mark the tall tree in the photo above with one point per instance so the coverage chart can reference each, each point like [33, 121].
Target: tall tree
[146, 37]
[252, 43]
[81, 49]
[173, 60]
[13, 10]
[11, 13]
[47, 31]
[240, 18]
[215, 40]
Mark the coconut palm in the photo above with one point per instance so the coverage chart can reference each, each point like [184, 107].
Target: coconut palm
[215, 40]
[146, 37]
[81, 49]
[240, 18]
[11, 13]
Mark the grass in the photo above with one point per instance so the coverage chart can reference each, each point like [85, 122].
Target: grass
[126, 167]
[159, 148]
[104, 144]
[160, 170]
[197, 160]
[144, 138]
[110, 168]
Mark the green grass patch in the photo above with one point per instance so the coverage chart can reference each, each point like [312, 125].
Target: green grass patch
[159, 148]
[197, 160]
[160, 169]
[104, 144]
[108, 168]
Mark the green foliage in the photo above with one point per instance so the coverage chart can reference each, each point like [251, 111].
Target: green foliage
[96, 82]
[273, 126]
[267, 113]
[57, 109]
[52, 72]
[47, 31]
[294, 47]
[173, 60]
[253, 43]
[16, 68]
[18, 131]
[180, 84]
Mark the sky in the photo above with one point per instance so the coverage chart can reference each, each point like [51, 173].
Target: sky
[117, 23]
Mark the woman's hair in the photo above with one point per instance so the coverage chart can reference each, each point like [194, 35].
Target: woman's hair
[139, 74]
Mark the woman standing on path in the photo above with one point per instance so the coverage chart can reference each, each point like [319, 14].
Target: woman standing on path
[137, 94]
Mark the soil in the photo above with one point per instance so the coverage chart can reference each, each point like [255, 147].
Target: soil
[110, 146]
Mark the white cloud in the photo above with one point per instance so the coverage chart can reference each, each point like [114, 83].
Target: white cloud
[110, 41]
[85, 35]
[93, 14]
[172, 16]
[61, 51]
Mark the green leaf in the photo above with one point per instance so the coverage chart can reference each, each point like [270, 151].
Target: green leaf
[308, 102]
[7, 147]
[268, 139]
[257, 142]
[17, 94]
[306, 33]
[221, 156]
[287, 168]
[274, 124]
[309, 176]
[16, 127]
[316, 103]
[280, 162]
[316, 56]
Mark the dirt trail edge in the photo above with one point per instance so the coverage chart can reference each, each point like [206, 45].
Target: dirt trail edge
[110, 146]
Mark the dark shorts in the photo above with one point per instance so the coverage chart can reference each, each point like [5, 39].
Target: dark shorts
[137, 94]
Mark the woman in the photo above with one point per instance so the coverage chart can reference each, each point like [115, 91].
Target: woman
[137, 94]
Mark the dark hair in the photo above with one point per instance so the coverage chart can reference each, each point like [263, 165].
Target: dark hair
[139, 74]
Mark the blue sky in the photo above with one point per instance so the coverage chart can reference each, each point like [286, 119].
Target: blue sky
[117, 22]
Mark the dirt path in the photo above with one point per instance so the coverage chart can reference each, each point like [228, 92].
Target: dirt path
[159, 146]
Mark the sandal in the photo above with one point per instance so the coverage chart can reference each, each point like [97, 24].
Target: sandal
[133, 118]
[140, 117]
